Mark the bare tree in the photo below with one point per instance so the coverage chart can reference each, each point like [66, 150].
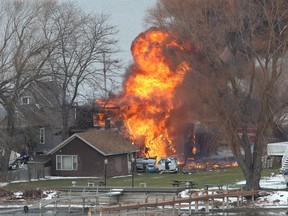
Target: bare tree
[47, 40]
[237, 50]
[83, 40]
[24, 49]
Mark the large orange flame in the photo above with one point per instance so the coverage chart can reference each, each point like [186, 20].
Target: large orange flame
[149, 91]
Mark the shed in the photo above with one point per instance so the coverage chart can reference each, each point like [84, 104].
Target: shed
[84, 154]
[279, 149]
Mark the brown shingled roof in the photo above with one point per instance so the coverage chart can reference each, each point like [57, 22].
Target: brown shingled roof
[108, 141]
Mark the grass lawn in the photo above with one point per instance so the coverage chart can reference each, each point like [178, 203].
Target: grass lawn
[200, 177]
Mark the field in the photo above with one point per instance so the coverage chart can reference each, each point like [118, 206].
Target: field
[228, 176]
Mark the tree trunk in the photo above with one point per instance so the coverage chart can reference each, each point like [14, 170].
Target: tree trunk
[5, 156]
[248, 159]
[65, 121]
[8, 139]
[252, 180]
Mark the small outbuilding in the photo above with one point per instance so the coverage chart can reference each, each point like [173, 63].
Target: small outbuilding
[93, 153]
[279, 151]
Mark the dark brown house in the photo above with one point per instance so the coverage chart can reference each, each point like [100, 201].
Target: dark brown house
[84, 154]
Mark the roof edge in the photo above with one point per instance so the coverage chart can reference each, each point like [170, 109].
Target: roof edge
[65, 142]
[62, 144]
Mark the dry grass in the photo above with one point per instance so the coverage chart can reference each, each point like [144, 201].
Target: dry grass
[201, 177]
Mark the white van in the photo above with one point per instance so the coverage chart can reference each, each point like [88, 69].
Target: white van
[168, 165]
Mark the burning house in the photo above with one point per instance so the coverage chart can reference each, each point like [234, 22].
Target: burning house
[155, 109]
[153, 105]
[97, 116]
[106, 117]
[149, 92]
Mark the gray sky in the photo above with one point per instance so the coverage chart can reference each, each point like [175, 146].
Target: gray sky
[126, 15]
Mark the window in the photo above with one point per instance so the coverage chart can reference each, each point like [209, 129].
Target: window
[42, 135]
[25, 100]
[66, 162]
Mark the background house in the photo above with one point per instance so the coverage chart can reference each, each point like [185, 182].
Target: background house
[38, 118]
[95, 115]
[83, 154]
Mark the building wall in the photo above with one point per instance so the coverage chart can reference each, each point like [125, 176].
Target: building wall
[90, 162]
[51, 139]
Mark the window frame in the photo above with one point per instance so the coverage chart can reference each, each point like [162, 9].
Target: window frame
[59, 164]
[23, 98]
[42, 135]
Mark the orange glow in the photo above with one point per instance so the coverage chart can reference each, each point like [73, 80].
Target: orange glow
[149, 92]
[104, 114]
[99, 119]
[235, 164]
[194, 150]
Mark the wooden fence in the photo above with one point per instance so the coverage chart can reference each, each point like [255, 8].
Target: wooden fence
[175, 203]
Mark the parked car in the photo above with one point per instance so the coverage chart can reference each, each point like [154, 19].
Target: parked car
[19, 162]
[142, 163]
[151, 168]
[168, 165]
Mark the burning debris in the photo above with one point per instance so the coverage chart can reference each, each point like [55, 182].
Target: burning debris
[192, 165]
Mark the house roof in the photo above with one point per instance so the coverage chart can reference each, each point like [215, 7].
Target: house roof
[44, 107]
[107, 142]
[277, 149]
